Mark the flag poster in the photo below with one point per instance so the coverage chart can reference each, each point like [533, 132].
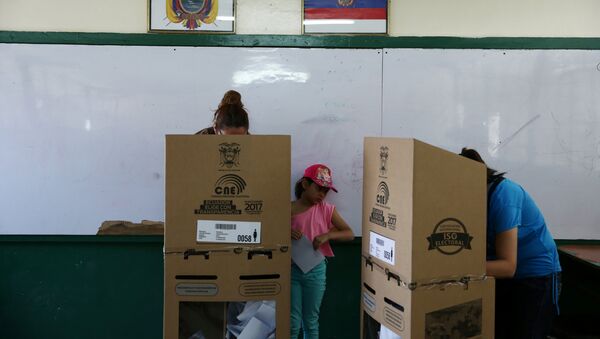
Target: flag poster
[345, 16]
[192, 15]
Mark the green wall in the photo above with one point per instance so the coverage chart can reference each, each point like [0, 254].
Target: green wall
[81, 287]
[112, 287]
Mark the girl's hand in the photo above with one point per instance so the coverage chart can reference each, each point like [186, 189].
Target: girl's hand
[296, 234]
[320, 240]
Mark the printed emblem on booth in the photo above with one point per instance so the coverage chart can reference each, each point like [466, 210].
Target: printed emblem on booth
[383, 158]
[449, 237]
[229, 155]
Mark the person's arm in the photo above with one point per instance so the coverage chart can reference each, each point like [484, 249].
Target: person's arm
[505, 264]
[340, 231]
[296, 234]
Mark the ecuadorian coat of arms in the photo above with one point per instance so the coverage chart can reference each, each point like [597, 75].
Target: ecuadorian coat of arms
[345, 3]
[192, 13]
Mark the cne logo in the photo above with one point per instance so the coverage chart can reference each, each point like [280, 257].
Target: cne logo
[383, 193]
[449, 237]
[230, 154]
[230, 184]
[383, 158]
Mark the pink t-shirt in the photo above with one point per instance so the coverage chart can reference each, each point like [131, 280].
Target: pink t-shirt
[314, 222]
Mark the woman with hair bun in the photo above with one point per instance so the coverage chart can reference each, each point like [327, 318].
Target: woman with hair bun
[230, 117]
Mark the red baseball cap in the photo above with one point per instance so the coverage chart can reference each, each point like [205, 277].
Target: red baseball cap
[320, 175]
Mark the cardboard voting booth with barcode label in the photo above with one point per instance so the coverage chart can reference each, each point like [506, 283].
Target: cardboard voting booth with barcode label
[424, 241]
[227, 237]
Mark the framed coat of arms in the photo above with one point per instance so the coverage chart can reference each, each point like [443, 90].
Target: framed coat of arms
[191, 16]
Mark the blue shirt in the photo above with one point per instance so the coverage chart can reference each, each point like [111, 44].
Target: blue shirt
[511, 206]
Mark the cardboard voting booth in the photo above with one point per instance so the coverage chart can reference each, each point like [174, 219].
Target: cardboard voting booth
[424, 241]
[227, 237]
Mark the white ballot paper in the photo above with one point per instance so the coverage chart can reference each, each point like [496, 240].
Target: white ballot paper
[255, 329]
[386, 333]
[304, 255]
[251, 320]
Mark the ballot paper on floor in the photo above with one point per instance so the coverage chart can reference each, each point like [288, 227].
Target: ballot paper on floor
[304, 255]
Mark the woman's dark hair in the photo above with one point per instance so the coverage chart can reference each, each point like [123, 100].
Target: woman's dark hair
[299, 189]
[472, 154]
[231, 115]
[231, 97]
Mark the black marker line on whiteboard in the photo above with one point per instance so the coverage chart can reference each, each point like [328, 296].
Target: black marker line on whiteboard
[512, 136]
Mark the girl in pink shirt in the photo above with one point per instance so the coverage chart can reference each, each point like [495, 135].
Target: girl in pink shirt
[320, 222]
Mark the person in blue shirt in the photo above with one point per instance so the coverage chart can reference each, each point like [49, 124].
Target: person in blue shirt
[522, 256]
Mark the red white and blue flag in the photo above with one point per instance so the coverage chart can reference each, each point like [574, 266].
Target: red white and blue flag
[345, 16]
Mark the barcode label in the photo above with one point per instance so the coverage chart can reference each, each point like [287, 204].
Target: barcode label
[225, 226]
[382, 248]
[234, 232]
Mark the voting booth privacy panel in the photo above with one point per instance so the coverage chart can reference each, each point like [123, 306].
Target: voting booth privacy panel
[424, 211]
[423, 265]
[227, 237]
[82, 127]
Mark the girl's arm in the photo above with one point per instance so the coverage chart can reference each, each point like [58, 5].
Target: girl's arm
[506, 253]
[296, 235]
[340, 231]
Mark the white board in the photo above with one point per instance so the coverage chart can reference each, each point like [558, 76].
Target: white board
[82, 127]
[532, 113]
